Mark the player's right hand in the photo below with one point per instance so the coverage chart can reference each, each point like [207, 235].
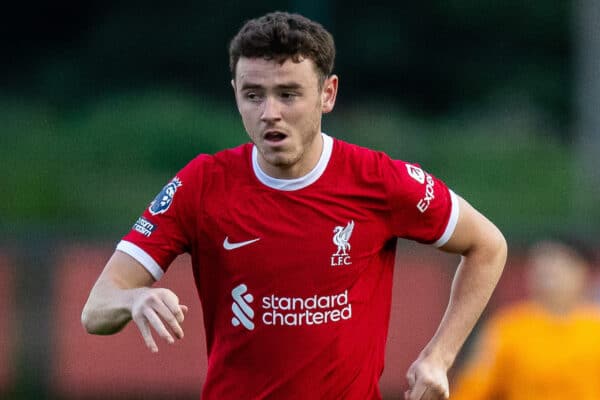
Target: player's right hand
[158, 308]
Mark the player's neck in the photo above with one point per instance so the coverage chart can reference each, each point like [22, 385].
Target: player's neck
[304, 165]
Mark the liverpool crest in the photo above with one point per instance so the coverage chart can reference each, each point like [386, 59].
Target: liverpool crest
[341, 238]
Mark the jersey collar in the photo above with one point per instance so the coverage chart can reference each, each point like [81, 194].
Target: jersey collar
[296, 183]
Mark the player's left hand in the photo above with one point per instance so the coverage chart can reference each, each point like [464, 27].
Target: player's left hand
[427, 380]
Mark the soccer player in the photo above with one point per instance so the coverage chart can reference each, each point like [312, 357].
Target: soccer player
[546, 347]
[293, 239]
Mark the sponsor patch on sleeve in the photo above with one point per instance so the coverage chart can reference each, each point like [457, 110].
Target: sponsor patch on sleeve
[163, 200]
[416, 173]
[424, 203]
[143, 226]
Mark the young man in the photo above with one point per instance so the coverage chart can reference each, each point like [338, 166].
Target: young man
[293, 240]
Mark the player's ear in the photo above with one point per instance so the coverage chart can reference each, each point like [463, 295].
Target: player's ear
[329, 93]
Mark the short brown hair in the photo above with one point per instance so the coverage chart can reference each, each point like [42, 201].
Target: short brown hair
[281, 35]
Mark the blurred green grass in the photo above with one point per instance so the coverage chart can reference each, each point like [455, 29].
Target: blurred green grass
[91, 170]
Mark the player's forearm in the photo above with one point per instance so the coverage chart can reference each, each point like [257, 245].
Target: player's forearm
[474, 282]
[108, 309]
[109, 306]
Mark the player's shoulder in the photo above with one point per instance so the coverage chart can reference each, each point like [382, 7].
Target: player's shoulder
[589, 311]
[355, 151]
[514, 319]
[237, 154]
[377, 163]
[362, 157]
[204, 170]
[224, 159]
[521, 310]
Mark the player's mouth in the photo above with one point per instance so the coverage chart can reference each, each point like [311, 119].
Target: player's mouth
[274, 137]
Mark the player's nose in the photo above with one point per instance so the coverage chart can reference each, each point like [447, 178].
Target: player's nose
[271, 111]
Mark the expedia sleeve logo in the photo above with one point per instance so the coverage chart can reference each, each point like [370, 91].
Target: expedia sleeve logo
[163, 200]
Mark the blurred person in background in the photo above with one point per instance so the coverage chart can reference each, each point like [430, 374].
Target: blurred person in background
[293, 241]
[544, 348]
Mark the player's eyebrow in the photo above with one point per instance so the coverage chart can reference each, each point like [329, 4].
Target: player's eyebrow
[290, 86]
[282, 86]
[250, 85]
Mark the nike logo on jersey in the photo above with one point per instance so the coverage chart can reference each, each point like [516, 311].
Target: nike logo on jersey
[227, 245]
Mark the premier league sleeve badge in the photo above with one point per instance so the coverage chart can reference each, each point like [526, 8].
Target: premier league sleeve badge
[163, 200]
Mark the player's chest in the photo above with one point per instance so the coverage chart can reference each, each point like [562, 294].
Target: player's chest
[271, 233]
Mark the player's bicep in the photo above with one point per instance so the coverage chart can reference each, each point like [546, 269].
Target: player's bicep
[125, 272]
[473, 230]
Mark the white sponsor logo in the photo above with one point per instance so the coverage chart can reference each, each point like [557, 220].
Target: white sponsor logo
[290, 311]
[424, 203]
[299, 311]
[341, 238]
[143, 226]
[416, 173]
[227, 245]
[242, 311]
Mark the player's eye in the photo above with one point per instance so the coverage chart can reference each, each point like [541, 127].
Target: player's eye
[289, 97]
[253, 96]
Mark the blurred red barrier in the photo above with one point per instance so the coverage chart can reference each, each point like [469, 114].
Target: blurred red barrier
[512, 286]
[120, 366]
[8, 326]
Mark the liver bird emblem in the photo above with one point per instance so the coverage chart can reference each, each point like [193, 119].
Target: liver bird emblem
[341, 237]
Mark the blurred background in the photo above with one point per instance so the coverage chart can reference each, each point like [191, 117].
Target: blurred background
[101, 103]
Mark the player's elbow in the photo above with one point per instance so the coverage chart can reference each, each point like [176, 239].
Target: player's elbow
[105, 311]
[88, 321]
[94, 323]
[489, 247]
[492, 250]
[499, 247]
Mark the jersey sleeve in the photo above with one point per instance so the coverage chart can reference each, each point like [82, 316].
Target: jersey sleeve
[166, 228]
[422, 207]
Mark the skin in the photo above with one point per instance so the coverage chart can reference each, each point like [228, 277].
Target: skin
[281, 105]
[557, 277]
[286, 98]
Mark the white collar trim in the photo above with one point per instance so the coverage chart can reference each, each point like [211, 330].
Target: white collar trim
[295, 183]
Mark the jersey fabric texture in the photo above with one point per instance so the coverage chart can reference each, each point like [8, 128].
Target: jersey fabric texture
[294, 275]
[525, 353]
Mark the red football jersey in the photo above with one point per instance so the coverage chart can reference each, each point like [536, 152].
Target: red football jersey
[295, 275]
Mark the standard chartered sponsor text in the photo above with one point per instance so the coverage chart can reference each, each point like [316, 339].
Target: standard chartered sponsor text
[299, 311]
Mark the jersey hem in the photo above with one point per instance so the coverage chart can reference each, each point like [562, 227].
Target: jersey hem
[142, 257]
[451, 225]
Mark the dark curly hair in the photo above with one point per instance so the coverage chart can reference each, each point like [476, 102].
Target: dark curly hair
[281, 35]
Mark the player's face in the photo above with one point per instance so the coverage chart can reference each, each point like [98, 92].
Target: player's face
[557, 279]
[281, 106]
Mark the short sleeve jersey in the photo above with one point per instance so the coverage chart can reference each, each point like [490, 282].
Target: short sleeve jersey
[294, 276]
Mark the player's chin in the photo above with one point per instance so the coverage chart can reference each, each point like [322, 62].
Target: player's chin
[281, 159]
